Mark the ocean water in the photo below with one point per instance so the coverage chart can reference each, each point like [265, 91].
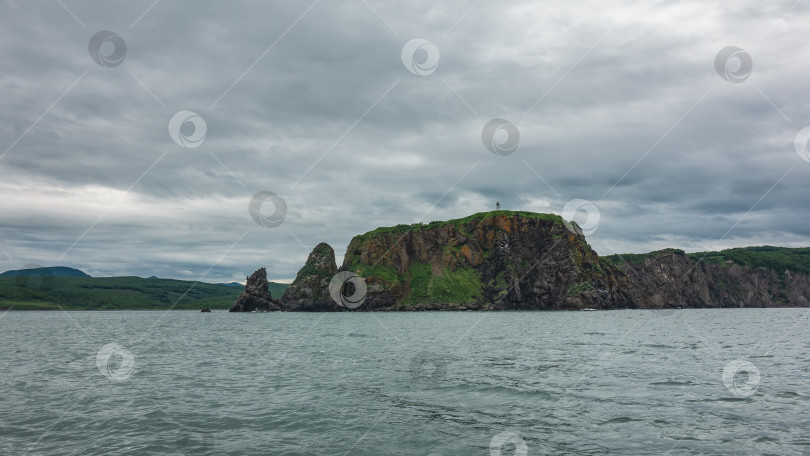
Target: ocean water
[436, 383]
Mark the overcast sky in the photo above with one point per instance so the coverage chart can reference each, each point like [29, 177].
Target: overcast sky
[332, 107]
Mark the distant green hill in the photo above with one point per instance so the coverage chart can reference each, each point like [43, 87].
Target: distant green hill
[115, 293]
[53, 271]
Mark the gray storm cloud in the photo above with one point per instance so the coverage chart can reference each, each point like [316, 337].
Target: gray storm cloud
[620, 104]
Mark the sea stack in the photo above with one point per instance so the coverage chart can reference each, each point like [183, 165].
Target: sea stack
[256, 296]
[310, 289]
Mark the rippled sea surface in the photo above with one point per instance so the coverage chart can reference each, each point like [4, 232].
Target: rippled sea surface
[433, 383]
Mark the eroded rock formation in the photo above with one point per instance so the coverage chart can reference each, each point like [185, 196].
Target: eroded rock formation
[256, 296]
[670, 279]
[522, 260]
[310, 289]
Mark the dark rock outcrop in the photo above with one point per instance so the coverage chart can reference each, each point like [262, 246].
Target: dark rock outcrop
[492, 261]
[310, 289]
[670, 279]
[522, 260]
[256, 296]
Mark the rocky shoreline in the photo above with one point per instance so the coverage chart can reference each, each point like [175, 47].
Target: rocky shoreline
[506, 260]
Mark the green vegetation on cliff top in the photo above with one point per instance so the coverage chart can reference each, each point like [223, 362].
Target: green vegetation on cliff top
[402, 228]
[779, 259]
[638, 258]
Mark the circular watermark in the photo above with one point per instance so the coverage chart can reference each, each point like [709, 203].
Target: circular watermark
[733, 64]
[279, 212]
[427, 367]
[107, 48]
[500, 136]
[506, 438]
[420, 57]
[741, 378]
[179, 125]
[800, 143]
[577, 209]
[348, 289]
[115, 362]
[41, 280]
[195, 442]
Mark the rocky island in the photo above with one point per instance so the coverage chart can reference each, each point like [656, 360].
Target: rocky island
[510, 260]
[256, 297]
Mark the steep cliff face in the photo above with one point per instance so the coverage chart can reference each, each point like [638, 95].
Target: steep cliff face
[496, 260]
[310, 289]
[256, 296]
[668, 279]
[522, 260]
